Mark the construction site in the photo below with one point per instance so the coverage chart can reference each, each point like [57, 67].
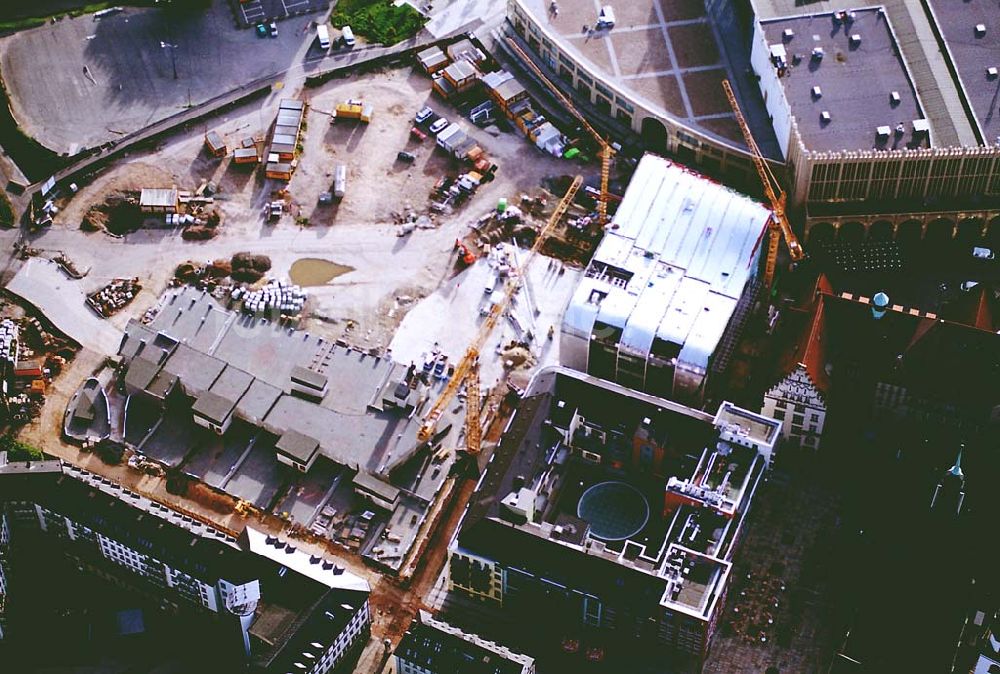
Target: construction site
[258, 305]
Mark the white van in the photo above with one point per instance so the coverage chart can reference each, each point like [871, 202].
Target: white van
[340, 181]
[347, 36]
[323, 35]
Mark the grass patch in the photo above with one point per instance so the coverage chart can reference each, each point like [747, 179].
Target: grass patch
[6, 211]
[378, 20]
[12, 25]
[19, 451]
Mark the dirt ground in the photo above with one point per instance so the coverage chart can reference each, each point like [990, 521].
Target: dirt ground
[365, 305]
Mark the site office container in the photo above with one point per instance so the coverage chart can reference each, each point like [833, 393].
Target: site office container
[340, 181]
[216, 146]
[246, 155]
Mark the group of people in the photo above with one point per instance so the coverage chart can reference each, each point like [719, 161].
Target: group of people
[754, 615]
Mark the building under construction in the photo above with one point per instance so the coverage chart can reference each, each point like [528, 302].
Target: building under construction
[668, 290]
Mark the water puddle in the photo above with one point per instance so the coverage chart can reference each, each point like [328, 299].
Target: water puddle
[312, 271]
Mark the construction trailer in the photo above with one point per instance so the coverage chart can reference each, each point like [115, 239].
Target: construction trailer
[278, 170]
[504, 90]
[432, 60]
[287, 128]
[465, 50]
[441, 85]
[246, 155]
[215, 144]
[158, 200]
[462, 75]
[353, 109]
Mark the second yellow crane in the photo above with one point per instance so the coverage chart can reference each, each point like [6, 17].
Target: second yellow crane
[467, 370]
[604, 147]
[778, 225]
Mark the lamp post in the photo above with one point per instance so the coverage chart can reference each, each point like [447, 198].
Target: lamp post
[173, 58]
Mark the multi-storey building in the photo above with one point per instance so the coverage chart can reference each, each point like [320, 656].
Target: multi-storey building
[916, 367]
[433, 646]
[669, 288]
[884, 117]
[614, 510]
[291, 611]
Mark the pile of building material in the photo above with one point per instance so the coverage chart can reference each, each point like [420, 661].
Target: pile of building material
[9, 343]
[114, 297]
[512, 98]
[274, 296]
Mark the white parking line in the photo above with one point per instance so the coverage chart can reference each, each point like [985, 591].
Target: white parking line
[291, 5]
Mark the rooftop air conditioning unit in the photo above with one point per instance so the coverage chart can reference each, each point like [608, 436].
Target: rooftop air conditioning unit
[883, 132]
[991, 73]
[894, 98]
[817, 92]
[817, 53]
[787, 34]
[856, 40]
[980, 29]
[824, 117]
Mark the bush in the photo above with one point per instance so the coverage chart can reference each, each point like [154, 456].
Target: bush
[19, 451]
[6, 211]
[378, 20]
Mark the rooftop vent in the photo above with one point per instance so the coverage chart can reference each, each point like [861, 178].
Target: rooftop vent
[817, 53]
[980, 30]
[883, 132]
[824, 117]
[817, 92]
[894, 98]
[991, 73]
[787, 34]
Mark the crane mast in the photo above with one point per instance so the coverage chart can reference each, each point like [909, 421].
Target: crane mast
[605, 149]
[778, 225]
[467, 370]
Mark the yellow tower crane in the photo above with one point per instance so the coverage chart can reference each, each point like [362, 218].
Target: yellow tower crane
[467, 370]
[606, 150]
[778, 225]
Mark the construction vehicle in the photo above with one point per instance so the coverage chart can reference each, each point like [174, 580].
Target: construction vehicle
[778, 224]
[353, 109]
[467, 370]
[606, 151]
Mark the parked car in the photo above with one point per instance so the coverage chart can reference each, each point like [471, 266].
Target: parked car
[273, 28]
[423, 115]
[438, 126]
[261, 30]
[983, 253]
[418, 135]
[404, 156]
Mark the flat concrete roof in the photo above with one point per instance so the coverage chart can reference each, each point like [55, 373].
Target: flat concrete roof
[669, 53]
[856, 80]
[973, 54]
[213, 406]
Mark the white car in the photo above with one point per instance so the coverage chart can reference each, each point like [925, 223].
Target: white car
[439, 126]
[983, 253]
[422, 115]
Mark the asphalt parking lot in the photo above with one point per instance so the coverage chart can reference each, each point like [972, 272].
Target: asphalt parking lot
[256, 11]
[78, 83]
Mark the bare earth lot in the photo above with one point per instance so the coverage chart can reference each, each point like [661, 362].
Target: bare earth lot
[357, 232]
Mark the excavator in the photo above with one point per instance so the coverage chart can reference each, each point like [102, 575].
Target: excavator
[605, 149]
[778, 224]
[467, 370]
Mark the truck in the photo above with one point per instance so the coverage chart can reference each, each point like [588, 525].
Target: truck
[353, 109]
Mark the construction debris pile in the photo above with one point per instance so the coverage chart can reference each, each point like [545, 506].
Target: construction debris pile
[273, 296]
[30, 356]
[114, 297]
